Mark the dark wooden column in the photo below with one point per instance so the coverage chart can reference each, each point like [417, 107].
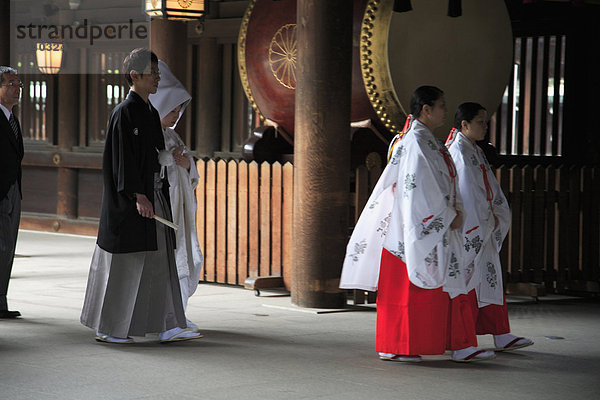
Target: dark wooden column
[322, 151]
[168, 40]
[68, 122]
[207, 103]
[5, 32]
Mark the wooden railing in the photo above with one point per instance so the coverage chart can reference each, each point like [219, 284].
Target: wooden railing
[554, 237]
[244, 222]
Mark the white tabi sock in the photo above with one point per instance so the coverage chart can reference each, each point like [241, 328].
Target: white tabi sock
[466, 352]
[500, 341]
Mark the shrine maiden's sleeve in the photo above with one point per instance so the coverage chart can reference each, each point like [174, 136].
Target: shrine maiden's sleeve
[363, 253]
[409, 214]
[501, 208]
[485, 201]
[425, 204]
[479, 223]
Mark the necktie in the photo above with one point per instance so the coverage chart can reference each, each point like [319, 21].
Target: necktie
[14, 126]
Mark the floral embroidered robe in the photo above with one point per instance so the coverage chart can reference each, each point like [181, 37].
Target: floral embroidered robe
[409, 214]
[483, 199]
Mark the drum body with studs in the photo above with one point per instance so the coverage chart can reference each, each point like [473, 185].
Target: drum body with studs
[469, 57]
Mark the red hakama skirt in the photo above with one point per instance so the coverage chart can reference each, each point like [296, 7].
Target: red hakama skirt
[416, 321]
[468, 320]
[410, 320]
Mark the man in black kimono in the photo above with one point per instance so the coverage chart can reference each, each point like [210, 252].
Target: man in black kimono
[133, 286]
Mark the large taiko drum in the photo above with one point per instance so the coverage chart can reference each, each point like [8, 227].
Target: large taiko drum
[469, 57]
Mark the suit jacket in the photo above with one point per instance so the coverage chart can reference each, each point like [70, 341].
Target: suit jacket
[11, 155]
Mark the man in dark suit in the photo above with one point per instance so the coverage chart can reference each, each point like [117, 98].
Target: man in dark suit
[11, 154]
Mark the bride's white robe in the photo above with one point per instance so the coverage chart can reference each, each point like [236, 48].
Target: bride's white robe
[188, 255]
[483, 198]
[409, 214]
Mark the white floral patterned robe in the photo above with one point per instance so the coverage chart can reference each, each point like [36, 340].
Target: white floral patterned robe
[482, 242]
[409, 214]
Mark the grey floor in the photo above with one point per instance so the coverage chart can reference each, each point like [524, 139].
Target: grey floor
[266, 348]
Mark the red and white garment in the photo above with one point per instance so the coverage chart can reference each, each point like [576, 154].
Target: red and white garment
[409, 214]
[483, 199]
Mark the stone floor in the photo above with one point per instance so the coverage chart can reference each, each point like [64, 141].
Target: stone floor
[266, 348]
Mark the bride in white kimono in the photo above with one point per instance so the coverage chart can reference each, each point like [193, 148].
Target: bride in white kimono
[486, 225]
[171, 100]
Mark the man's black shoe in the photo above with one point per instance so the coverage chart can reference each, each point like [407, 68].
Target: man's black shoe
[9, 314]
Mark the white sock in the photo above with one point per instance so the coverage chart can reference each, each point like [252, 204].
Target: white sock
[464, 353]
[504, 339]
[170, 333]
[190, 324]
[113, 338]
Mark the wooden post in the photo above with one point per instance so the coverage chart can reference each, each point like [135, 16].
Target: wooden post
[322, 151]
[68, 123]
[168, 40]
[207, 103]
[66, 202]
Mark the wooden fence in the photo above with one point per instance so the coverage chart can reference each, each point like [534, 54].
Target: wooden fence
[244, 222]
[554, 237]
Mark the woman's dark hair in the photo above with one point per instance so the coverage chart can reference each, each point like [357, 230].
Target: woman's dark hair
[137, 61]
[424, 95]
[466, 112]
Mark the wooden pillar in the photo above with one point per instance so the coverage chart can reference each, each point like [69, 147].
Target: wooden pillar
[207, 103]
[66, 205]
[68, 123]
[322, 151]
[5, 32]
[168, 40]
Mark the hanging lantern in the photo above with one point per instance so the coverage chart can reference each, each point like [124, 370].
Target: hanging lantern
[49, 57]
[176, 9]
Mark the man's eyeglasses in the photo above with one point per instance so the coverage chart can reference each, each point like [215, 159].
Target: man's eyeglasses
[13, 84]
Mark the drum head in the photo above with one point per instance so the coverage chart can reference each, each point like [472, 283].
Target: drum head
[469, 57]
[267, 61]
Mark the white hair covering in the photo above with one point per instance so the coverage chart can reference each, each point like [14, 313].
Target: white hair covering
[170, 93]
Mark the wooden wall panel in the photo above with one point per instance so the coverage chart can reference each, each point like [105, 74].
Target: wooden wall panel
[39, 190]
[89, 193]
